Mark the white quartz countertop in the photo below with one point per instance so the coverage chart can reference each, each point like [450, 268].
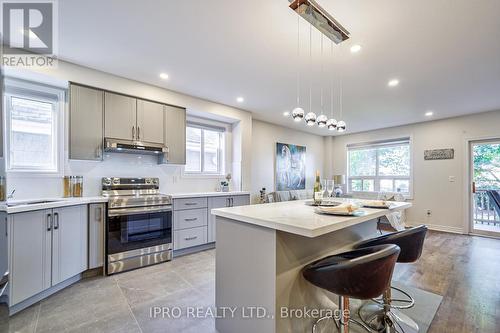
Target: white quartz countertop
[19, 206]
[298, 218]
[206, 194]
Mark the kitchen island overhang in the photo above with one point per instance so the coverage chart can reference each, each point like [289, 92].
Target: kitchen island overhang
[261, 250]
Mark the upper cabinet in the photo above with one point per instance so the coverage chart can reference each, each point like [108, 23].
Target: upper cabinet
[96, 114]
[86, 123]
[175, 134]
[120, 116]
[150, 121]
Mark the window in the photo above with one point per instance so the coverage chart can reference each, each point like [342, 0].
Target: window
[380, 167]
[32, 122]
[204, 150]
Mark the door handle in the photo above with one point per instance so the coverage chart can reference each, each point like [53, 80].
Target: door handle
[56, 218]
[138, 133]
[473, 187]
[232, 202]
[98, 214]
[190, 238]
[133, 132]
[49, 222]
[190, 220]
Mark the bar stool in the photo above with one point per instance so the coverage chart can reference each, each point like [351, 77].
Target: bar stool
[362, 273]
[384, 315]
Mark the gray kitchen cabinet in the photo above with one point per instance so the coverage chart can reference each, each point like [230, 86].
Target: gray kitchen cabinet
[150, 121]
[120, 115]
[86, 114]
[240, 200]
[96, 235]
[69, 242]
[46, 247]
[30, 240]
[221, 202]
[175, 134]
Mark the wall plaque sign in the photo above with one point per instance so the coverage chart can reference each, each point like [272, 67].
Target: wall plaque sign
[439, 154]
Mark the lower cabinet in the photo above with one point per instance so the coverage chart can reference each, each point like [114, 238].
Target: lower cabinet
[96, 234]
[221, 202]
[46, 248]
[194, 224]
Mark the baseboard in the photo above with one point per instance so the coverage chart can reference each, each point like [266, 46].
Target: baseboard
[442, 228]
[194, 249]
[44, 294]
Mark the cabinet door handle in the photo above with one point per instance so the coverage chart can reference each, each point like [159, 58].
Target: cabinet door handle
[228, 203]
[56, 218]
[192, 219]
[232, 202]
[138, 133]
[98, 214]
[133, 132]
[98, 151]
[190, 238]
[6, 227]
[190, 204]
[49, 222]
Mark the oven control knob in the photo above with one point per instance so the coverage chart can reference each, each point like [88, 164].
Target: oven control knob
[116, 181]
[148, 180]
[155, 181]
[107, 181]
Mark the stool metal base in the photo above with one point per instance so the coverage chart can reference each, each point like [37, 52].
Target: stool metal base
[391, 321]
[343, 323]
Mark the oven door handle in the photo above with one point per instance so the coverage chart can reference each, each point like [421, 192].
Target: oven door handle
[138, 210]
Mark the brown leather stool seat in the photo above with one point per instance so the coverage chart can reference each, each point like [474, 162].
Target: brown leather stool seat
[363, 274]
[411, 243]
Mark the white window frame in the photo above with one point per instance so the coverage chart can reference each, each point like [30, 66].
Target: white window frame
[221, 152]
[39, 92]
[376, 178]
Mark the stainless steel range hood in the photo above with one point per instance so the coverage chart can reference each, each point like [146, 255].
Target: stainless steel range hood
[137, 147]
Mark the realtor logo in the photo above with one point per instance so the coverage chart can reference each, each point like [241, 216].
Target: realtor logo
[28, 30]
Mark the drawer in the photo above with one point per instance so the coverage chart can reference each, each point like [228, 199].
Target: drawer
[190, 203]
[191, 218]
[190, 237]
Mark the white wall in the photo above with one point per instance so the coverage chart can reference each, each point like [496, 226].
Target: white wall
[134, 165]
[432, 188]
[265, 136]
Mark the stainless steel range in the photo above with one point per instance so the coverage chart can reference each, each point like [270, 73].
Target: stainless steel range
[138, 224]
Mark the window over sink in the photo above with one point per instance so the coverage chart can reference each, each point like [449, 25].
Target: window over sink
[204, 150]
[383, 166]
[34, 114]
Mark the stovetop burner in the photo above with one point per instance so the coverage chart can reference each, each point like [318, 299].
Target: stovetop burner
[133, 192]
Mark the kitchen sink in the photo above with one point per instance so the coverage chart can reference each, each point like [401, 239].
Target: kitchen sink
[33, 202]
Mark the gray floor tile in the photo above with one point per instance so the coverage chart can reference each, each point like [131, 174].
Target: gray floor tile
[24, 321]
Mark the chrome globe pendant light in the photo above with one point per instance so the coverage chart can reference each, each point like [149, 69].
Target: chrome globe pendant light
[341, 125]
[310, 116]
[298, 112]
[331, 123]
[322, 119]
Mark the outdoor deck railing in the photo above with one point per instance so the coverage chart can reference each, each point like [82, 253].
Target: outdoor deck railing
[484, 213]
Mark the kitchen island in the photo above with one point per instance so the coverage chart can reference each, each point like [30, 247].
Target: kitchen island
[261, 250]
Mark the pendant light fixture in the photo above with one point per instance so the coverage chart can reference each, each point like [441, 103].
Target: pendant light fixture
[298, 112]
[310, 116]
[331, 123]
[341, 126]
[322, 119]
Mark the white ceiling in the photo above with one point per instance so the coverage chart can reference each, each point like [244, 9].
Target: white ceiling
[446, 54]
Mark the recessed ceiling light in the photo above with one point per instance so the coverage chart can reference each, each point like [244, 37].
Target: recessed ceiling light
[429, 114]
[355, 48]
[393, 83]
[164, 76]
[240, 99]
[286, 113]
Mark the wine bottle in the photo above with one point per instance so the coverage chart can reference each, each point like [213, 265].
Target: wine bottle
[318, 193]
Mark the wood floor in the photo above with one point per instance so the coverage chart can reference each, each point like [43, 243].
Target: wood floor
[465, 270]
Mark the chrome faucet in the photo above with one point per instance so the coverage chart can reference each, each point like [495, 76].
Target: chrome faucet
[11, 194]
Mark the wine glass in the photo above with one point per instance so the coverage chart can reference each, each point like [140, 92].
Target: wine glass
[329, 187]
[323, 186]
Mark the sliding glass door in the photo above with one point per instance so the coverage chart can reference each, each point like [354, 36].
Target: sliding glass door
[485, 189]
